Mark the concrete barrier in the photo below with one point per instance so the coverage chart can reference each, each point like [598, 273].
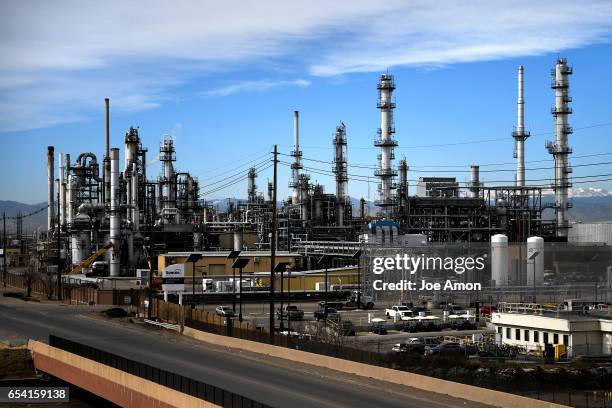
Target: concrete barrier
[114, 385]
[454, 389]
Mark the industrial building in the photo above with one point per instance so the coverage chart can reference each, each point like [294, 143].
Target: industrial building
[580, 331]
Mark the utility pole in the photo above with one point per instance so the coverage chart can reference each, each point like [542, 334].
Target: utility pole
[273, 246]
[4, 248]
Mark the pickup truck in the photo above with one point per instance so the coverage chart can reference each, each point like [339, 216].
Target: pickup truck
[290, 312]
[325, 312]
[396, 310]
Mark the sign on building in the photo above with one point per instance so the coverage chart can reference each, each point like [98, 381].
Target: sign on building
[173, 278]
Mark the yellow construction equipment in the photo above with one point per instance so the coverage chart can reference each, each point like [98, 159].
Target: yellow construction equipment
[87, 262]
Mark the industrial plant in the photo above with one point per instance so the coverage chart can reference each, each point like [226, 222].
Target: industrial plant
[100, 207]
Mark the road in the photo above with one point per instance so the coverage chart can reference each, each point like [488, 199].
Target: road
[276, 384]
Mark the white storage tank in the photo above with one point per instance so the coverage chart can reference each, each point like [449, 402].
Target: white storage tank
[499, 260]
[535, 266]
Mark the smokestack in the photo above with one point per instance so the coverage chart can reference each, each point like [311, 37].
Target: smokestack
[296, 166]
[50, 189]
[560, 149]
[385, 173]
[115, 216]
[475, 180]
[339, 169]
[519, 134]
[107, 166]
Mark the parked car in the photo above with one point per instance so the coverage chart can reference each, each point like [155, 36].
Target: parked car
[413, 345]
[325, 312]
[430, 342]
[446, 349]
[454, 309]
[396, 310]
[225, 311]
[291, 312]
[335, 305]
[379, 329]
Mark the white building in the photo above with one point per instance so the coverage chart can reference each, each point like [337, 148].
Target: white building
[532, 327]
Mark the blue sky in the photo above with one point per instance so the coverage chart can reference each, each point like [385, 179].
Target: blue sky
[225, 79]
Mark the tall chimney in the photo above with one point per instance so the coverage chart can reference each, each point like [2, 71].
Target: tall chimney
[519, 134]
[62, 191]
[340, 170]
[107, 166]
[296, 166]
[50, 187]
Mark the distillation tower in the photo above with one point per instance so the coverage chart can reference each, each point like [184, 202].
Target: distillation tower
[385, 141]
[560, 149]
[340, 170]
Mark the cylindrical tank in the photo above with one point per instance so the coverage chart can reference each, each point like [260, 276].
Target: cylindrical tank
[535, 267]
[474, 180]
[237, 240]
[499, 260]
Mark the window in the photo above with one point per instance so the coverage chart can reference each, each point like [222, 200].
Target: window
[508, 333]
[555, 338]
[536, 336]
[518, 334]
[566, 339]
[500, 330]
[526, 335]
[545, 338]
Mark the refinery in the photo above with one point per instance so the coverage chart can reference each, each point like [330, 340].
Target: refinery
[499, 271]
[104, 204]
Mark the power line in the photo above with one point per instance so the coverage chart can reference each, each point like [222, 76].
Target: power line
[231, 183]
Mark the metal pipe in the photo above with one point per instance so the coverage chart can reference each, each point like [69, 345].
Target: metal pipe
[115, 217]
[50, 185]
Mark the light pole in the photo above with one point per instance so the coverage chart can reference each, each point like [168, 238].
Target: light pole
[281, 267]
[233, 255]
[357, 256]
[193, 258]
[325, 260]
[240, 263]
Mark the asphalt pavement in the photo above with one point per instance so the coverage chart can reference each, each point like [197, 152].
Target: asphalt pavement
[278, 385]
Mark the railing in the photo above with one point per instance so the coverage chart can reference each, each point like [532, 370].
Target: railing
[177, 382]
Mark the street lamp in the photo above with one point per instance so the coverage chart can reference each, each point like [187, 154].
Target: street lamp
[240, 263]
[233, 255]
[325, 260]
[281, 267]
[193, 258]
[357, 256]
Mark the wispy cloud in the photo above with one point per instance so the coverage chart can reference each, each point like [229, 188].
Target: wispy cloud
[61, 58]
[255, 86]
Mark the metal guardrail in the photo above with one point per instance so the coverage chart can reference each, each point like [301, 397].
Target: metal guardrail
[195, 388]
[163, 325]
